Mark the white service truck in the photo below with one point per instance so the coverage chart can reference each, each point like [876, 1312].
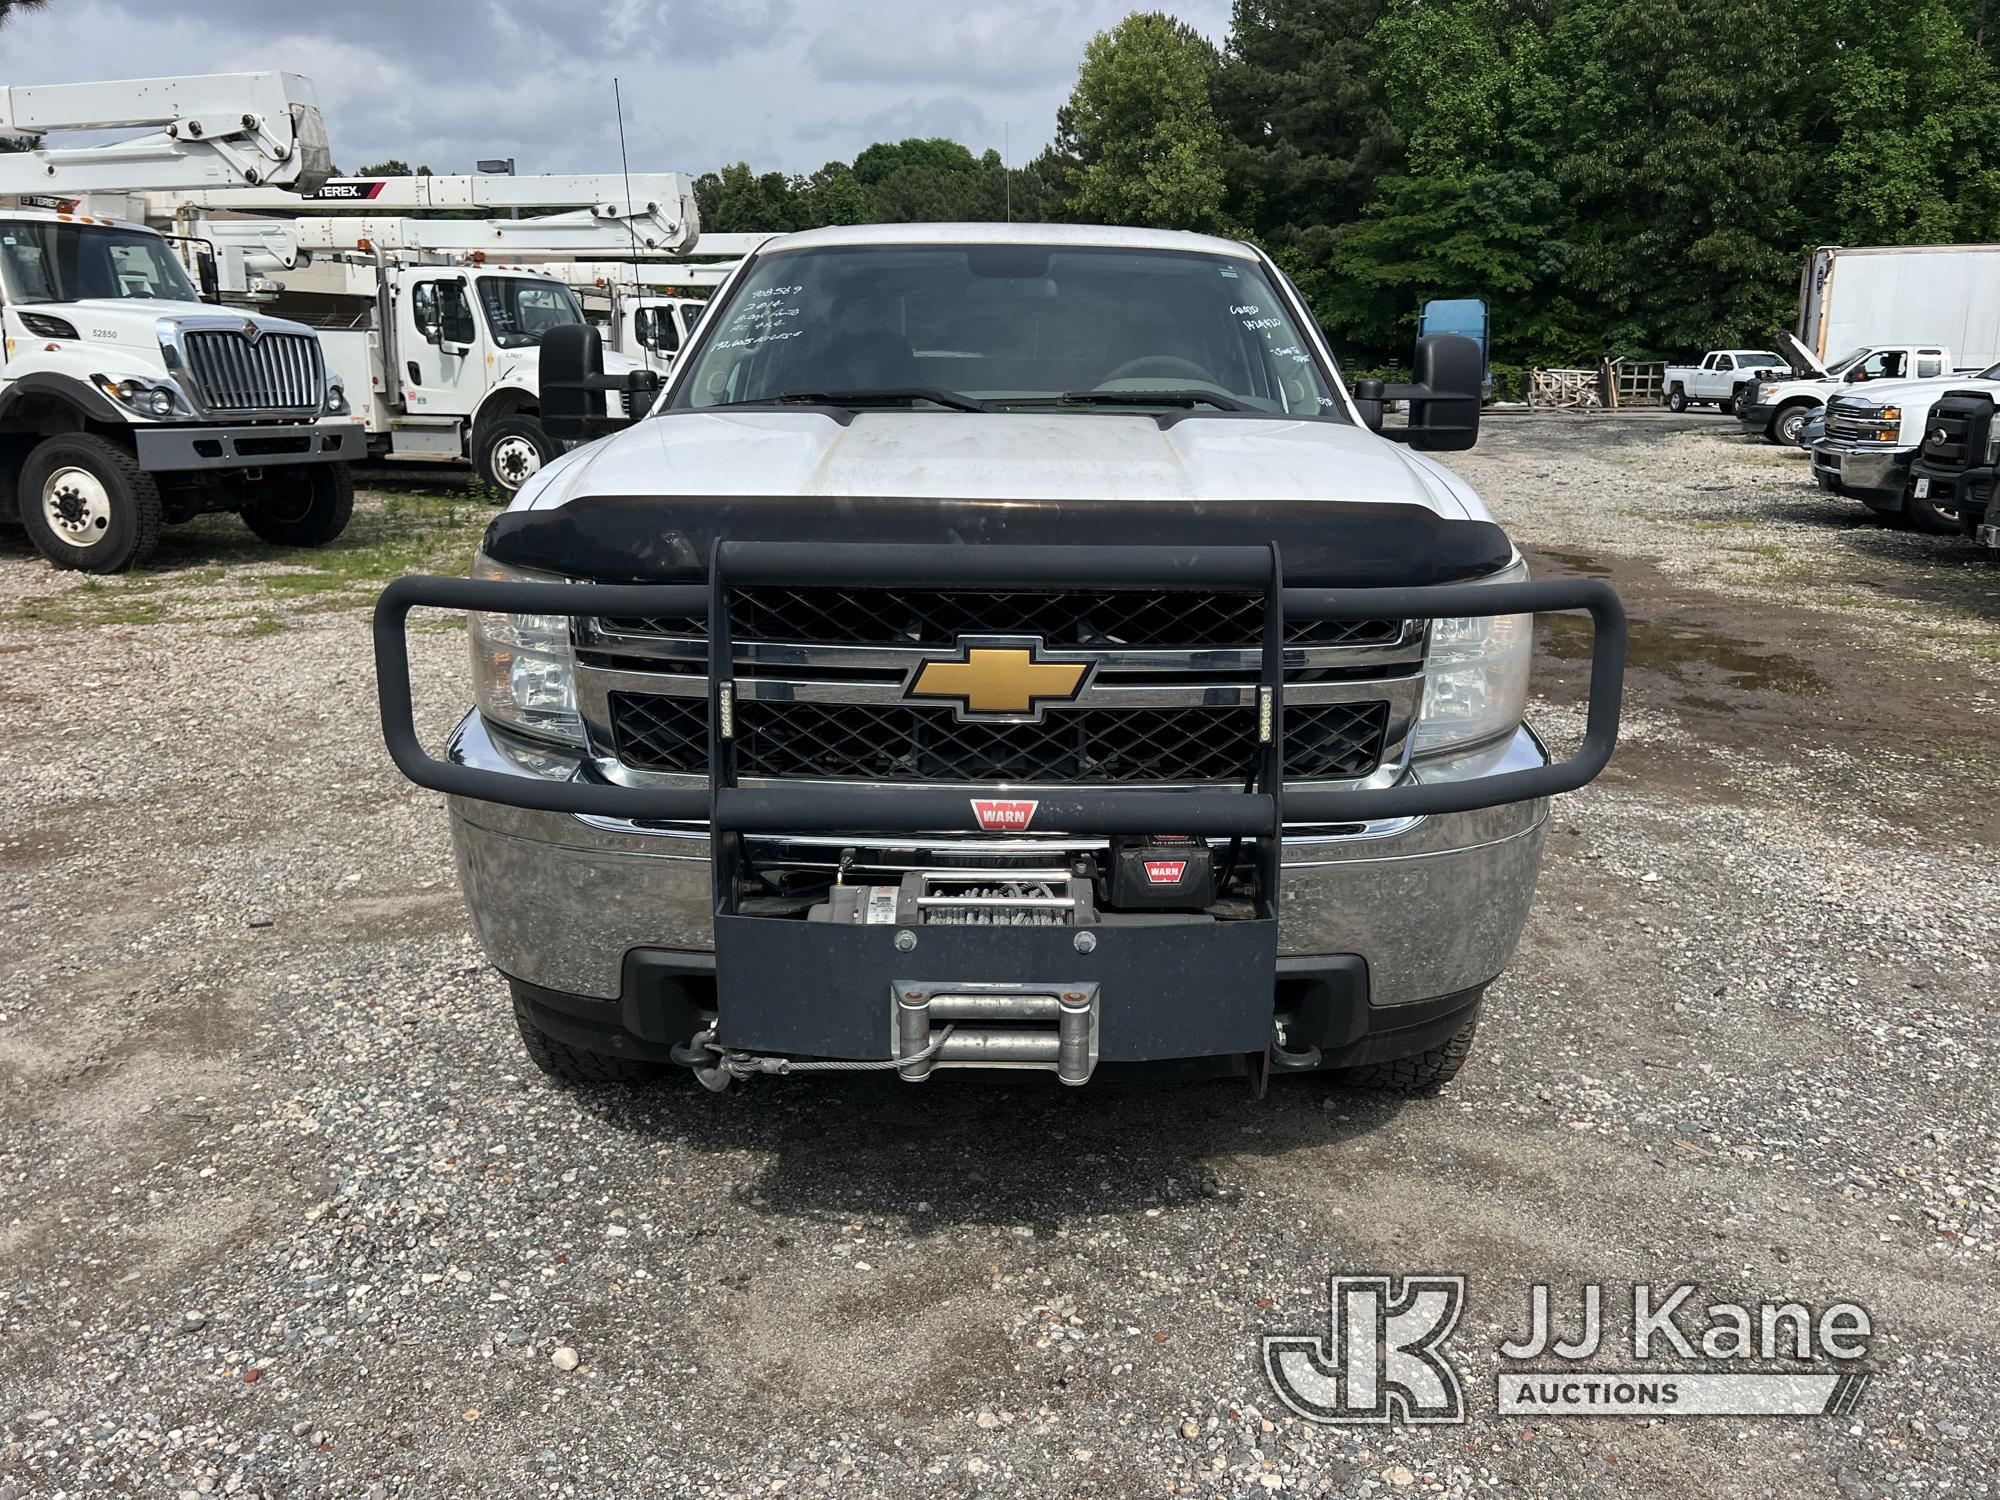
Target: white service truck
[1880, 312]
[1874, 437]
[127, 400]
[1721, 378]
[1778, 410]
[439, 321]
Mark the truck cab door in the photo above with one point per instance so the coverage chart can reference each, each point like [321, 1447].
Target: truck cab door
[443, 355]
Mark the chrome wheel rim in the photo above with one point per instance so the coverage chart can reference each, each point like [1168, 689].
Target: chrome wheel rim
[515, 461]
[77, 507]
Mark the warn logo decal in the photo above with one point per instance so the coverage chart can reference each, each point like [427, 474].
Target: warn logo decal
[996, 816]
[1165, 871]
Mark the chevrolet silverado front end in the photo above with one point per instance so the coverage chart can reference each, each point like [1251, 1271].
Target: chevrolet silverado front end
[1003, 647]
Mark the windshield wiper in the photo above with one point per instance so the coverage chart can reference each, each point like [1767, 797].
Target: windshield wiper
[1137, 398]
[888, 395]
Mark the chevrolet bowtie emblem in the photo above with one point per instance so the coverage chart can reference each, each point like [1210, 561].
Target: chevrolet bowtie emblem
[1000, 678]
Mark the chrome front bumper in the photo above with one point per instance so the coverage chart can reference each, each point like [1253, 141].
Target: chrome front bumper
[1435, 905]
[1870, 473]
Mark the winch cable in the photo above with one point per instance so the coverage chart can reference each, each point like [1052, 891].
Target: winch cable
[782, 1065]
[837, 1065]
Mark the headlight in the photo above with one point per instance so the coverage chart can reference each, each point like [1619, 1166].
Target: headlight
[523, 674]
[336, 400]
[1993, 444]
[1476, 675]
[1766, 391]
[141, 394]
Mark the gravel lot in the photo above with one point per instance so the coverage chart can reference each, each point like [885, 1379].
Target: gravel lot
[283, 1210]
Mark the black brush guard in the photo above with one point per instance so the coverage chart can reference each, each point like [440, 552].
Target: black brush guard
[819, 989]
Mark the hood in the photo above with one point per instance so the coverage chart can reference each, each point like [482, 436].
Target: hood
[1090, 456]
[1909, 393]
[137, 325]
[1805, 364]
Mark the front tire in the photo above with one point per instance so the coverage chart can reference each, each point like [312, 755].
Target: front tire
[1677, 400]
[1424, 1073]
[567, 1064]
[307, 507]
[87, 505]
[1929, 517]
[1788, 424]
[511, 451]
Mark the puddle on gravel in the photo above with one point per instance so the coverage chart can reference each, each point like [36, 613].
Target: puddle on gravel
[1580, 562]
[1678, 652]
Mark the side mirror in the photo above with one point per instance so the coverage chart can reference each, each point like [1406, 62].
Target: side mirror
[1449, 373]
[205, 272]
[574, 386]
[642, 389]
[1368, 397]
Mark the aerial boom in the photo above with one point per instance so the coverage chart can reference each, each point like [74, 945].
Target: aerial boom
[215, 130]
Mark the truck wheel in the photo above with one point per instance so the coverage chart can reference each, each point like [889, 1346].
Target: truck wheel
[511, 451]
[569, 1064]
[1677, 399]
[1929, 517]
[307, 507]
[1727, 408]
[1788, 424]
[1425, 1072]
[88, 505]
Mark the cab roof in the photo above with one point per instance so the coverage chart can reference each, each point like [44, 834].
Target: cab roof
[1092, 236]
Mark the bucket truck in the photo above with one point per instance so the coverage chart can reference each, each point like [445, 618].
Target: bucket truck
[649, 309]
[445, 315]
[127, 399]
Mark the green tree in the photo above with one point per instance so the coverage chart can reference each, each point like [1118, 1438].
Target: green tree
[9, 9]
[1139, 138]
[1309, 130]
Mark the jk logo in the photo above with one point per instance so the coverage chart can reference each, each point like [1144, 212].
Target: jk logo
[1380, 1360]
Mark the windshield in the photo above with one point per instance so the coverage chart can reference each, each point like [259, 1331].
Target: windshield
[1008, 323]
[520, 309]
[53, 262]
[1840, 366]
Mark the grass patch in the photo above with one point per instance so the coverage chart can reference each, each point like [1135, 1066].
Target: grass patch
[216, 569]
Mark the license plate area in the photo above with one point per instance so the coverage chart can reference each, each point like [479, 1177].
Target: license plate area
[1163, 986]
[1922, 488]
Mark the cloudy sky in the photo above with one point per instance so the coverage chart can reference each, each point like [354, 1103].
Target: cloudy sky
[785, 84]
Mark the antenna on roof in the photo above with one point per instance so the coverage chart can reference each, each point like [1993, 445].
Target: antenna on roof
[625, 166]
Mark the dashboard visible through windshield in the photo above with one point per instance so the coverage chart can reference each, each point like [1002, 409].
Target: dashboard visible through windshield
[520, 309]
[54, 262]
[994, 326]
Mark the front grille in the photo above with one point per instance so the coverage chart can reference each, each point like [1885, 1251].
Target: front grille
[1856, 425]
[278, 372]
[1955, 435]
[1133, 619]
[898, 743]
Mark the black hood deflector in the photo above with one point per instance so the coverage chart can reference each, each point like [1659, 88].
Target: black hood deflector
[1324, 543]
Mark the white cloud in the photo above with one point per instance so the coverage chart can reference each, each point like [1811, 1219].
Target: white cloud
[783, 84]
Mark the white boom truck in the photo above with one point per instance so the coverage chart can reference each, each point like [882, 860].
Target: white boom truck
[644, 307]
[440, 320]
[126, 400]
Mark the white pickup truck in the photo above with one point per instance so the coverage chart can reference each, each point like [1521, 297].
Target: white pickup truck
[1720, 377]
[1873, 438]
[1779, 409]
